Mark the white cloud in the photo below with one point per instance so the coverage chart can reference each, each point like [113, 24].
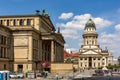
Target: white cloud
[66, 45]
[101, 23]
[117, 27]
[65, 16]
[78, 22]
[118, 10]
[111, 41]
[74, 50]
[69, 33]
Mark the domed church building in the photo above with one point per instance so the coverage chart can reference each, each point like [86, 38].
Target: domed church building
[90, 53]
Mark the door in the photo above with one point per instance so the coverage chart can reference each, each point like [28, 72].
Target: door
[90, 62]
[20, 68]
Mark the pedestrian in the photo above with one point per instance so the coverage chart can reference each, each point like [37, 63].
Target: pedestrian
[56, 76]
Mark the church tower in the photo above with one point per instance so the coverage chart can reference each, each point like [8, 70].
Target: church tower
[90, 53]
[90, 35]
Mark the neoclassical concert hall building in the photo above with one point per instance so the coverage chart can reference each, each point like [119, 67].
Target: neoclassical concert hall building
[29, 42]
[90, 53]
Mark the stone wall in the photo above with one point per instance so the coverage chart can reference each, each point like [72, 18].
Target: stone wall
[61, 68]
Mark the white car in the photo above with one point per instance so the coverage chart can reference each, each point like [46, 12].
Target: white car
[20, 75]
[12, 75]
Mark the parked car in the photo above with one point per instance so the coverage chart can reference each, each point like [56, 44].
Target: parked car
[107, 73]
[20, 75]
[39, 75]
[12, 75]
[102, 73]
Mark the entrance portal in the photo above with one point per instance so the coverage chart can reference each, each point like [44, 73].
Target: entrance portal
[90, 62]
[20, 68]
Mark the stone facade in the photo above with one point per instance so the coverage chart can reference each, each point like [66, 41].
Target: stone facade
[6, 52]
[90, 54]
[34, 41]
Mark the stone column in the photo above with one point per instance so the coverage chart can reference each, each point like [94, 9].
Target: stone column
[79, 65]
[106, 61]
[87, 62]
[17, 22]
[101, 61]
[32, 22]
[25, 22]
[52, 51]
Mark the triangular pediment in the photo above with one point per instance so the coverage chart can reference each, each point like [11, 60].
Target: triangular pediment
[49, 22]
[90, 52]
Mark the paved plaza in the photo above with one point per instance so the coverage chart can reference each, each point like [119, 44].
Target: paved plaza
[69, 76]
[79, 75]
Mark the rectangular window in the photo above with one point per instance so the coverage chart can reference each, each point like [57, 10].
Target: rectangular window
[8, 41]
[28, 22]
[81, 58]
[94, 64]
[2, 39]
[0, 52]
[7, 22]
[21, 22]
[14, 22]
[35, 48]
[5, 67]
[1, 21]
[4, 52]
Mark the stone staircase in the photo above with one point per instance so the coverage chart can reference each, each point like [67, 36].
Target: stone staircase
[85, 73]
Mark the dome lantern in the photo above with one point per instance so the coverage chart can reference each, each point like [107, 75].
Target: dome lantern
[90, 24]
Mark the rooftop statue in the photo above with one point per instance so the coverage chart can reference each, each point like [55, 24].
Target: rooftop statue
[44, 13]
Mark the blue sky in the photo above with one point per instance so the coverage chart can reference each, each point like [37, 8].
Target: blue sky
[71, 16]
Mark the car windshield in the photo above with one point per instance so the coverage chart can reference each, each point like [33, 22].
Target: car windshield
[12, 73]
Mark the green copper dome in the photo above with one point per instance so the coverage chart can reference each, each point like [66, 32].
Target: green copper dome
[90, 23]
